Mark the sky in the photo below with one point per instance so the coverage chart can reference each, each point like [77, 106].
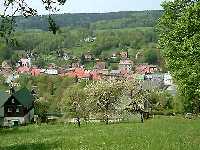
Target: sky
[97, 6]
[101, 6]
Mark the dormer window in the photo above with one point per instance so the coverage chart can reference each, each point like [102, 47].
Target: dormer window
[9, 110]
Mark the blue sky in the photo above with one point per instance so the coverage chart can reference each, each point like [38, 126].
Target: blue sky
[89, 6]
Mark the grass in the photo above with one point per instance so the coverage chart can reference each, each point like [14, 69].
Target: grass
[162, 133]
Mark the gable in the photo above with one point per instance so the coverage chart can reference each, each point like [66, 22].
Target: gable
[12, 101]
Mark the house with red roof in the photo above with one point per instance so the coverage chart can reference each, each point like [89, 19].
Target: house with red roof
[146, 69]
[36, 71]
[126, 66]
[79, 73]
[23, 69]
[95, 75]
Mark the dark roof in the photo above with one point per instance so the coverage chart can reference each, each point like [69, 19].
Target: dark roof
[25, 97]
[3, 98]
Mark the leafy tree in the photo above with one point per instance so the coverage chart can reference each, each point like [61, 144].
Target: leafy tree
[151, 56]
[74, 102]
[82, 59]
[104, 97]
[179, 35]
[41, 108]
[138, 97]
[5, 54]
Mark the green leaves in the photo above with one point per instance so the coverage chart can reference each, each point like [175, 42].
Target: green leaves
[52, 25]
[179, 32]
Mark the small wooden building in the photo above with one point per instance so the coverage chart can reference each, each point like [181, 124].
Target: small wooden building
[18, 108]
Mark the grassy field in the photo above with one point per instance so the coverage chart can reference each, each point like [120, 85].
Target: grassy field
[157, 134]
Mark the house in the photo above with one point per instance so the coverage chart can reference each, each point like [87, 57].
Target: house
[114, 56]
[139, 56]
[25, 62]
[66, 56]
[79, 73]
[124, 54]
[52, 66]
[75, 65]
[100, 65]
[18, 108]
[155, 77]
[35, 71]
[88, 56]
[51, 71]
[146, 69]
[126, 66]
[5, 68]
[113, 74]
[3, 98]
[95, 75]
[23, 69]
[5, 65]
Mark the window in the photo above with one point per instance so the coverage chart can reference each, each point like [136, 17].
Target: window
[13, 101]
[17, 110]
[9, 109]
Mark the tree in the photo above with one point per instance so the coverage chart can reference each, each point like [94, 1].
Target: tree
[179, 35]
[74, 103]
[151, 56]
[5, 53]
[104, 97]
[7, 26]
[138, 97]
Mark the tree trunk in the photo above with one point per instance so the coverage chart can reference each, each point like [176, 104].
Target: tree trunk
[142, 116]
[106, 119]
[78, 121]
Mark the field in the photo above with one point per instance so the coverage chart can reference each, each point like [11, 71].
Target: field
[161, 133]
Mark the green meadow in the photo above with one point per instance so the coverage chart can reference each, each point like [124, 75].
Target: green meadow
[160, 133]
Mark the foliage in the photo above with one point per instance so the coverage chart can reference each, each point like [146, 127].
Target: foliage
[104, 97]
[99, 21]
[151, 56]
[5, 53]
[179, 34]
[74, 103]
[7, 26]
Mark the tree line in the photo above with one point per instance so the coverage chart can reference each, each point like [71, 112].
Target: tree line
[111, 20]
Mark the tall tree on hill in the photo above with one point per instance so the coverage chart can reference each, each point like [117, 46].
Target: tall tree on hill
[179, 34]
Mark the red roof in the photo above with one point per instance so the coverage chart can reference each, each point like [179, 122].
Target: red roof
[81, 73]
[35, 71]
[146, 69]
[95, 75]
[23, 69]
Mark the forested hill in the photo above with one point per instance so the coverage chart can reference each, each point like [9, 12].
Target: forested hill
[113, 20]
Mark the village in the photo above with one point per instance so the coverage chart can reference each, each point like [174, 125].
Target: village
[17, 106]
[126, 69]
[99, 75]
